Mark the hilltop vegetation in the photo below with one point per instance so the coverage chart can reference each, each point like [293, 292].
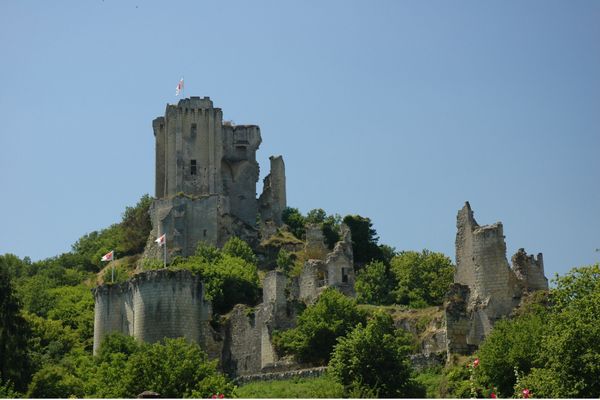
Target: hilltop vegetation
[550, 348]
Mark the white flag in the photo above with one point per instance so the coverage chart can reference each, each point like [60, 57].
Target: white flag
[161, 240]
[108, 256]
[179, 87]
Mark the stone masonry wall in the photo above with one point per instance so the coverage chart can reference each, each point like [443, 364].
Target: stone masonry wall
[494, 288]
[273, 199]
[151, 306]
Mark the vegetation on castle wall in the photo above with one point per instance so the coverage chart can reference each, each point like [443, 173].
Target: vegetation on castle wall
[229, 277]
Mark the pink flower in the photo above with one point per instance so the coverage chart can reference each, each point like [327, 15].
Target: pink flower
[214, 396]
[476, 363]
[525, 393]
[493, 395]
[221, 396]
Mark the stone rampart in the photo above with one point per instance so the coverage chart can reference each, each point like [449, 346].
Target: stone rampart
[151, 306]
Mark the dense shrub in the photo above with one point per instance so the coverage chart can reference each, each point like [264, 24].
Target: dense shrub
[421, 278]
[319, 326]
[373, 360]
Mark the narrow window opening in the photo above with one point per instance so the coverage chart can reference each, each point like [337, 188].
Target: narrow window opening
[193, 130]
[193, 168]
[205, 233]
[344, 275]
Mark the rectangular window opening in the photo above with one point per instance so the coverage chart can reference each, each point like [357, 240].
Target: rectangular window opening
[193, 169]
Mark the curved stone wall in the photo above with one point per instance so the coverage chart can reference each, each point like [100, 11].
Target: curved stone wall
[152, 305]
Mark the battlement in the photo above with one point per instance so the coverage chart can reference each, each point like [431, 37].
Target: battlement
[195, 102]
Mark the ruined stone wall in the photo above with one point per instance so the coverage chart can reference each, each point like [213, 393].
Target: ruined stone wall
[240, 170]
[151, 306]
[494, 288]
[242, 347]
[186, 221]
[530, 270]
[273, 199]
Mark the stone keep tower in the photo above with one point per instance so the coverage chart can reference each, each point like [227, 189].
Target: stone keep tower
[206, 174]
[485, 287]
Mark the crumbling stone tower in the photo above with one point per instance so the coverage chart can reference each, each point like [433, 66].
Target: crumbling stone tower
[206, 174]
[485, 287]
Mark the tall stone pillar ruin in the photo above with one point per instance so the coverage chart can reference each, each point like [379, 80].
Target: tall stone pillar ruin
[485, 288]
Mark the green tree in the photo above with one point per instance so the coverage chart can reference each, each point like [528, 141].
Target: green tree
[135, 227]
[175, 369]
[14, 331]
[229, 280]
[7, 390]
[364, 239]
[236, 247]
[511, 344]
[74, 307]
[55, 381]
[570, 352]
[285, 261]
[374, 284]
[316, 216]
[49, 341]
[374, 360]
[294, 219]
[422, 278]
[332, 316]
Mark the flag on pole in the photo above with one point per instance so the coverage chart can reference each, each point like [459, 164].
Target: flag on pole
[108, 256]
[161, 240]
[179, 87]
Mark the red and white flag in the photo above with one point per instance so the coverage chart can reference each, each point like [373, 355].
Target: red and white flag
[108, 256]
[179, 87]
[161, 240]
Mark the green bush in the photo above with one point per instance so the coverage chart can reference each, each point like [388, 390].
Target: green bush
[236, 247]
[421, 278]
[319, 326]
[374, 284]
[294, 219]
[373, 360]
[229, 280]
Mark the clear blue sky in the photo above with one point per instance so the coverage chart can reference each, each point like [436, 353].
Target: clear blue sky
[395, 110]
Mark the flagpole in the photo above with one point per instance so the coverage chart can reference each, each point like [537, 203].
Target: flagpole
[165, 255]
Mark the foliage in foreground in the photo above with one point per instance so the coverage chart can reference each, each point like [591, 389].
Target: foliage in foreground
[551, 350]
[321, 387]
[373, 361]
[174, 368]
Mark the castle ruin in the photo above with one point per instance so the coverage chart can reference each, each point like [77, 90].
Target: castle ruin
[206, 174]
[485, 287]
